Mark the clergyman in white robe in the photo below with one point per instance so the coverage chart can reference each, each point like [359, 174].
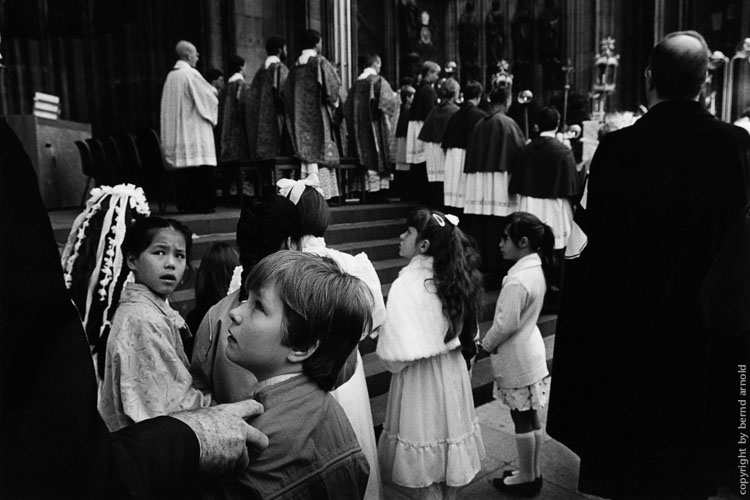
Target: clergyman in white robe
[189, 111]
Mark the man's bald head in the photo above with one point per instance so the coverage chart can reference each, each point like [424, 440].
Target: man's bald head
[187, 52]
[679, 64]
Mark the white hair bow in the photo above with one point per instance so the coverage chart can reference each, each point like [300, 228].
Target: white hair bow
[289, 188]
[449, 217]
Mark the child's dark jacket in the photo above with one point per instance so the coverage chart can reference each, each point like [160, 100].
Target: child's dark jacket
[313, 452]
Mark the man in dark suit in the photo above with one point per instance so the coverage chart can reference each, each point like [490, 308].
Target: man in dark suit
[640, 389]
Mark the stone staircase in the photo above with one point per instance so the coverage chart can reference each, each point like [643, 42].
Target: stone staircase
[373, 229]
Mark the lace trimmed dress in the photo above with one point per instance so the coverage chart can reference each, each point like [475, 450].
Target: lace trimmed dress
[431, 436]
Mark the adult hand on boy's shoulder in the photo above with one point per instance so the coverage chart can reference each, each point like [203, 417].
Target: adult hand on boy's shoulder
[226, 441]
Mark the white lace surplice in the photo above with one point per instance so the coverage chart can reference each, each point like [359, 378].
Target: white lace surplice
[434, 156]
[455, 178]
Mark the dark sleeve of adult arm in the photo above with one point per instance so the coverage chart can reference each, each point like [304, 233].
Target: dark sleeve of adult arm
[53, 443]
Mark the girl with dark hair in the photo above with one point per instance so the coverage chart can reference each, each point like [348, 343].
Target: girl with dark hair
[92, 258]
[519, 357]
[431, 313]
[212, 282]
[146, 369]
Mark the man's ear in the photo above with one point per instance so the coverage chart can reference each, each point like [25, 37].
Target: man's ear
[647, 76]
[299, 356]
[523, 242]
[423, 246]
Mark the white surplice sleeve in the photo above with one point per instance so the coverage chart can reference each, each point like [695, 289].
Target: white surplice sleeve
[204, 98]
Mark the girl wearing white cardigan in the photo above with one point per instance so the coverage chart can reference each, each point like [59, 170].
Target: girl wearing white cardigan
[431, 442]
[518, 353]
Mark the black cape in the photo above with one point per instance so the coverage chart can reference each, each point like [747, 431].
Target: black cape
[460, 126]
[436, 122]
[634, 392]
[424, 100]
[545, 169]
[52, 441]
[494, 145]
[403, 121]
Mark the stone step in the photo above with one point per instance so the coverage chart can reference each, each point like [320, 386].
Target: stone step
[375, 249]
[364, 231]
[368, 212]
[224, 219]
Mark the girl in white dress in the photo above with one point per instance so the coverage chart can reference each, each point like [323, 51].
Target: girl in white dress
[431, 442]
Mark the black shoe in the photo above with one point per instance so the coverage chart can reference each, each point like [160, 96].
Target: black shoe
[528, 489]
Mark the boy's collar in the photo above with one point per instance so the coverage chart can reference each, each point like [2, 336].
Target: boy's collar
[275, 380]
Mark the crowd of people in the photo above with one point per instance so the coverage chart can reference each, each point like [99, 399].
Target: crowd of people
[299, 110]
[278, 322]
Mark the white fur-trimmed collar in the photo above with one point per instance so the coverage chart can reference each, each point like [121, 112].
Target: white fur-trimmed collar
[306, 55]
[271, 60]
[368, 72]
[415, 324]
[309, 241]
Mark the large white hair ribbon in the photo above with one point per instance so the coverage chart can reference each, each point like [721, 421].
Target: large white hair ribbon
[289, 188]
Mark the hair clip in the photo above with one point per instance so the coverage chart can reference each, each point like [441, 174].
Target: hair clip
[449, 217]
[439, 219]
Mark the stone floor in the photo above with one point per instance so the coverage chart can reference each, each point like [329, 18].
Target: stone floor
[559, 464]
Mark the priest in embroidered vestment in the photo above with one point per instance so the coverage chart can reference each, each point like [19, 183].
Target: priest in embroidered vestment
[189, 111]
[371, 112]
[265, 118]
[234, 139]
[311, 95]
